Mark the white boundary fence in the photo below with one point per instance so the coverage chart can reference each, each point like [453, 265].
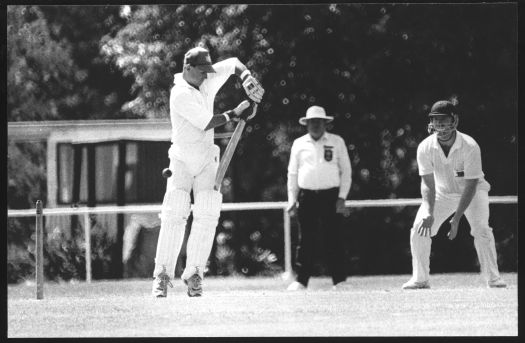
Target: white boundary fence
[244, 206]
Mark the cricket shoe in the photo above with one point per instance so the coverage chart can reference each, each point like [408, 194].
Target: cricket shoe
[194, 284]
[296, 286]
[416, 285]
[160, 285]
[498, 283]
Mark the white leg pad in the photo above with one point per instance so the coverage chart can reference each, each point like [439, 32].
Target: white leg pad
[420, 249]
[174, 213]
[488, 258]
[206, 212]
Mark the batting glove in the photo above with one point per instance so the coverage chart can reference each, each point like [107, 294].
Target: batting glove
[245, 112]
[252, 87]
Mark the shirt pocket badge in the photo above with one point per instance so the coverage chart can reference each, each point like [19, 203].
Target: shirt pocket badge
[328, 153]
[459, 169]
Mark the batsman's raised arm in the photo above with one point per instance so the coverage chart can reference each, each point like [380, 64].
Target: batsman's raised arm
[251, 86]
[233, 65]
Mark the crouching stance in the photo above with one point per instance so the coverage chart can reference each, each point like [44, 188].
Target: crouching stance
[194, 160]
[449, 163]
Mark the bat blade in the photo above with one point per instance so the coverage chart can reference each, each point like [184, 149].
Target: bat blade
[228, 154]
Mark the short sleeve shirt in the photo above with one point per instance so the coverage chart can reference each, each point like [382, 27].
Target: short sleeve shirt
[191, 110]
[450, 172]
[321, 164]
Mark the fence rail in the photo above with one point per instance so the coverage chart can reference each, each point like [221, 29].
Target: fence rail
[239, 206]
[244, 206]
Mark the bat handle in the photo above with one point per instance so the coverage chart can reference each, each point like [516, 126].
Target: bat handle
[244, 105]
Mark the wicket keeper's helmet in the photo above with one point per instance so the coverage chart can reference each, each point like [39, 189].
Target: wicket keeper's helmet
[443, 108]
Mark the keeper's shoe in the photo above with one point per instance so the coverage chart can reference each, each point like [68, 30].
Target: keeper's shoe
[498, 283]
[194, 285]
[296, 286]
[160, 285]
[416, 285]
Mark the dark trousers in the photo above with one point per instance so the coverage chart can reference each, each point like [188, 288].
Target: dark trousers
[320, 230]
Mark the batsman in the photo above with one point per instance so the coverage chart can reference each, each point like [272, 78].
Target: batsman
[194, 160]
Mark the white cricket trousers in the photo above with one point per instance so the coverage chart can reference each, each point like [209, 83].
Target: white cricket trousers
[477, 215]
[197, 173]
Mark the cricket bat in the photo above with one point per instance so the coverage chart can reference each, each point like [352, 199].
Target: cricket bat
[228, 152]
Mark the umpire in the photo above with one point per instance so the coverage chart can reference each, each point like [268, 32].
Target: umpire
[319, 179]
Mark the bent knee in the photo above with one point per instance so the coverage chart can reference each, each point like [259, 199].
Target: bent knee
[481, 231]
[176, 205]
[415, 237]
[207, 205]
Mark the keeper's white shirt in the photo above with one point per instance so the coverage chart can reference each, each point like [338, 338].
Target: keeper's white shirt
[191, 110]
[463, 162]
[318, 165]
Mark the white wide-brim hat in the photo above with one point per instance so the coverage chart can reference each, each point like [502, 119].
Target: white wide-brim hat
[315, 112]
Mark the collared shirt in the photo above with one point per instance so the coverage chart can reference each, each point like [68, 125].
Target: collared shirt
[191, 110]
[450, 172]
[317, 165]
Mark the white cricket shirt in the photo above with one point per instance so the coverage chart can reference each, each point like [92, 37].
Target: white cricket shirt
[463, 162]
[317, 165]
[191, 110]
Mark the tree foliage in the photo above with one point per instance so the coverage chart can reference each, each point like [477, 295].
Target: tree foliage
[41, 73]
[377, 68]
[103, 89]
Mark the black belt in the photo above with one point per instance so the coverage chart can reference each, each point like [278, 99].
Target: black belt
[319, 191]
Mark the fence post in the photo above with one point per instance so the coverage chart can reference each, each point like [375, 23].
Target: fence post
[287, 246]
[39, 251]
[87, 236]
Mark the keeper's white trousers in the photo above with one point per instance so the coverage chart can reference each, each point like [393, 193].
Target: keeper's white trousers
[477, 215]
[197, 172]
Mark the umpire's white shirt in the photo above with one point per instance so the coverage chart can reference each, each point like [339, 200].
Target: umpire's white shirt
[463, 162]
[191, 110]
[317, 165]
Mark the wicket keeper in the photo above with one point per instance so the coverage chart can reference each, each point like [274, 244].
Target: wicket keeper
[452, 182]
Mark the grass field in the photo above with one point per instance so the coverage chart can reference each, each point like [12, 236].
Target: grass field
[457, 305]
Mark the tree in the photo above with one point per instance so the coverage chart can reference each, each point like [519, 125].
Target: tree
[103, 89]
[41, 72]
